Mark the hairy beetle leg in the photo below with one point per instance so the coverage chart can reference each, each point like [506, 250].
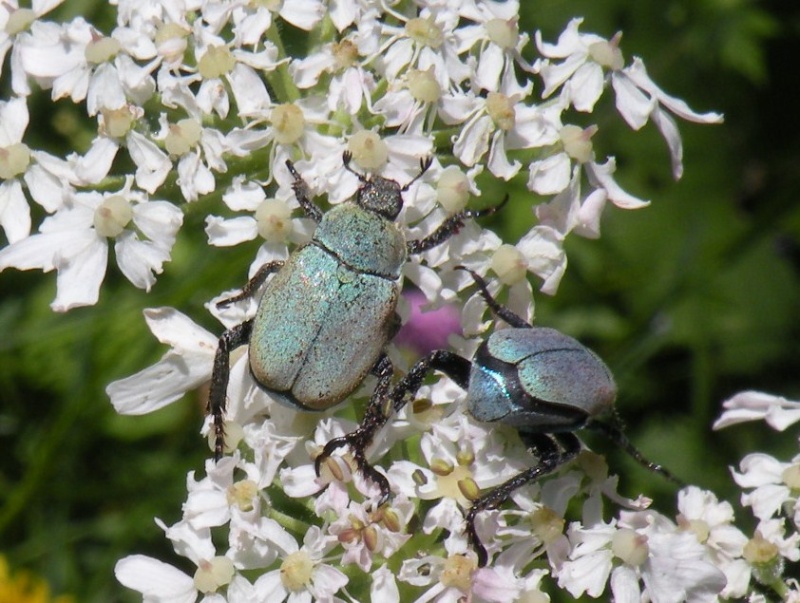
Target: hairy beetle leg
[230, 339]
[450, 227]
[553, 450]
[253, 284]
[359, 440]
[303, 194]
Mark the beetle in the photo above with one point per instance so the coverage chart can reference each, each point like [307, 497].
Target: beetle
[324, 319]
[543, 383]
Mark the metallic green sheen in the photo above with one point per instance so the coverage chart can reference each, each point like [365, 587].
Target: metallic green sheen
[512, 345]
[574, 378]
[555, 368]
[319, 329]
[363, 240]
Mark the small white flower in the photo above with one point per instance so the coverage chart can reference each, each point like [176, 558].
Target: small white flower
[540, 251]
[457, 576]
[16, 167]
[641, 548]
[586, 57]
[774, 485]
[198, 151]
[15, 21]
[160, 582]
[303, 576]
[777, 411]
[74, 241]
[270, 219]
[500, 43]
[499, 123]
[712, 523]
[364, 534]
[426, 40]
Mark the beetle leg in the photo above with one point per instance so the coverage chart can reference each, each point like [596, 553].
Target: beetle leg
[230, 339]
[553, 450]
[507, 315]
[254, 283]
[303, 194]
[360, 439]
[450, 227]
[613, 431]
[384, 403]
[424, 164]
[347, 157]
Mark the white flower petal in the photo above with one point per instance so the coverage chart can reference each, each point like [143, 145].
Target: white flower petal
[139, 260]
[105, 90]
[153, 164]
[252, 98]
[638, 74]
[550, 175]
[226, 233]
[194, 177]
[473, 141]
[634, 105]
[498, 162]
[184, 368]
[304, 14]
[94, 166]
[601, 177]
[80, 271]
[157, 581]
[586, 86]
[15, 215]
[159, 221]
[669, 130]
[45, 188]
[13, 121]
[384, 587]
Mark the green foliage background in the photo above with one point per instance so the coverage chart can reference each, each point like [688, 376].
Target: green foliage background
[689, 301]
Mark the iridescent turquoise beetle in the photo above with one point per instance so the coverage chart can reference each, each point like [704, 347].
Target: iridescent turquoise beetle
[325, 318]
[537, 380]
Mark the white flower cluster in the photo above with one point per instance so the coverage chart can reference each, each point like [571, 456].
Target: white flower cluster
[772, 491]
[183, 90]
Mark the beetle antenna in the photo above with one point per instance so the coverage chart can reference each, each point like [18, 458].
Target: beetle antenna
[347, 157]
[507, 315]
[424, 164]
[613, 431]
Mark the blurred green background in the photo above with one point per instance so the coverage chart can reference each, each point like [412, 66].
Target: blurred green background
[689, 301]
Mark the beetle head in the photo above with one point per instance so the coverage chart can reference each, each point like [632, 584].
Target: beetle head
[382, 196]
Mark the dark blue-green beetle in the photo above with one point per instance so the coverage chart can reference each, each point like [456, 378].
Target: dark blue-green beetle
[324, 319]
[543, 383]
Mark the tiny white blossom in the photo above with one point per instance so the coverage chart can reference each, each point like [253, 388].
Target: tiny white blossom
[778, 412]
[773, 483]
[712, 523]
[303, 576]
[18, 165]
[586, 57]
[74, 241]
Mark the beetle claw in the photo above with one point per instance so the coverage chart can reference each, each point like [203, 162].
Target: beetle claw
[355, 441]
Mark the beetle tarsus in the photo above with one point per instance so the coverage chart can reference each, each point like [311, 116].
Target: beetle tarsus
[507, 315]
[303, 194]
[359, 440]
[450, 227]
[553, 450]
[229, 340]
